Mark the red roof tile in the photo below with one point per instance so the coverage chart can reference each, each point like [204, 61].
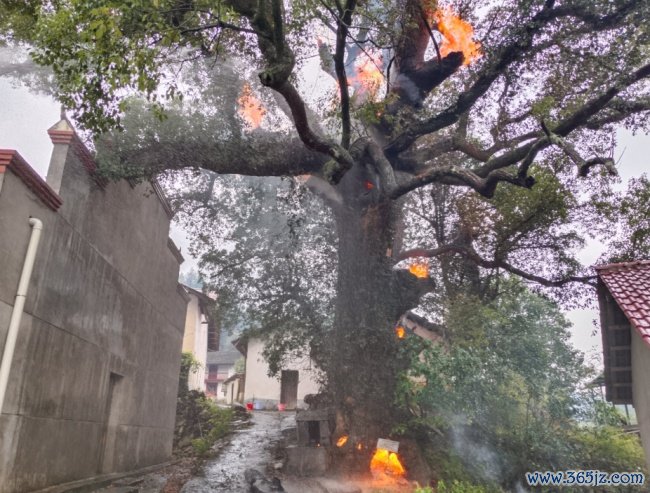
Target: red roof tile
[629, 284]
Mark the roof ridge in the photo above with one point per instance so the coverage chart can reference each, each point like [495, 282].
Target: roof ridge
[622, 265]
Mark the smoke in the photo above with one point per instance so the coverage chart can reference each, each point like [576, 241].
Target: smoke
[477, 457]
[520, 489]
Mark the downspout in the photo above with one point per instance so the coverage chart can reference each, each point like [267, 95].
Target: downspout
[19, 304]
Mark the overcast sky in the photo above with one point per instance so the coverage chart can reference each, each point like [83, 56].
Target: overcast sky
[25, 118]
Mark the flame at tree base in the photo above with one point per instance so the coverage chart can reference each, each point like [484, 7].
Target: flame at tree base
[386, 463]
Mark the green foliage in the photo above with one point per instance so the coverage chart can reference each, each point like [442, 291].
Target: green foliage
[189, 365]
[628, 215]
[192, 279]
[457, 487]
[201, 446]
[215, 424]
[606, 448]
[199, 421]
[267, 250]
[505, 391]
[240, 365]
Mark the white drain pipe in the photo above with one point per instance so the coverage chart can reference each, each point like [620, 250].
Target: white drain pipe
[19, 303]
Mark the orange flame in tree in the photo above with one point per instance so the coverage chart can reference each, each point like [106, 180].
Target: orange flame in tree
[342, 441]
[250, 108]
[385, 462]
[457, 35]
[400, 332]
[368, 78]
[419, 269]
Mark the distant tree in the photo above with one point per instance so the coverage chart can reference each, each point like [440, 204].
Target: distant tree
[417, 102]
[191, 278]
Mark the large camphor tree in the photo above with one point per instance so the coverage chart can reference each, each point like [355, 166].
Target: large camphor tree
[507, 97]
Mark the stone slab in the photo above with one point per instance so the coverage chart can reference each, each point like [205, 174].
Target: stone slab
[335, 486]
[307, 461]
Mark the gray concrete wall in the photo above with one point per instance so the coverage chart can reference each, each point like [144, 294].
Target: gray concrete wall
[641, 389]
[103, 301]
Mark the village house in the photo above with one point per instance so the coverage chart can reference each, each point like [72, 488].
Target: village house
[298, 378]
[624, 299]
[93, 379]
[200, 335]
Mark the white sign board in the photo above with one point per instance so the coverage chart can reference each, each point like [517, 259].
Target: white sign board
[389, 445]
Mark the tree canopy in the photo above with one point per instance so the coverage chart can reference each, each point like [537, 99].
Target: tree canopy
[479, 137]
[542, 77]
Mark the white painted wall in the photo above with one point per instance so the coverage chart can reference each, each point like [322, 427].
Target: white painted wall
[195, 341]
[262, 388]
[641, 388]
[232, 391]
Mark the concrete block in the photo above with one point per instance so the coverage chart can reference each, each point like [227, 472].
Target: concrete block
[335, 486]
[307, 461]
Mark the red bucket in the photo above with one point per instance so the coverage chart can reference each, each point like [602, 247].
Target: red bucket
[249, 406]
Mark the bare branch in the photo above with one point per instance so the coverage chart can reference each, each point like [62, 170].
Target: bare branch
[456, 175]
[583, 165]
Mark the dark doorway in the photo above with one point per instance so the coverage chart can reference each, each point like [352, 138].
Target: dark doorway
[107, 450]
[289, 388]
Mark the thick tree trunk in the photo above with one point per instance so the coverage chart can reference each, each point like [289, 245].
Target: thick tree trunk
[366, 361]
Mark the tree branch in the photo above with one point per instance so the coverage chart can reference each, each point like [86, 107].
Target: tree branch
[472, 255]
[280, 62]
[456, 175]
[343, 23]
[583, 165]
[265, 155]
[505, 56]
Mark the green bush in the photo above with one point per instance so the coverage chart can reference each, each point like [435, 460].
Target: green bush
[201, 446]
[199, 421]
[455, 487]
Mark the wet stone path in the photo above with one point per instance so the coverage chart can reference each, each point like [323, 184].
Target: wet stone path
[249, 448]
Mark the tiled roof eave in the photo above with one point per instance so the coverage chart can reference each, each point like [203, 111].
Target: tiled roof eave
[13, 161]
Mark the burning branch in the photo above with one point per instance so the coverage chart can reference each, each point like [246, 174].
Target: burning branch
[250, 108]
[472, 255]
[419, 268]
[457, 35]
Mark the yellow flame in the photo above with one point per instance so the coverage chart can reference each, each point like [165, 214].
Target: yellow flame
[419, 269]
[368, 77]
[400, 332]
[342, 441]
[250, 108]
[457, 35]
[386, 462]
